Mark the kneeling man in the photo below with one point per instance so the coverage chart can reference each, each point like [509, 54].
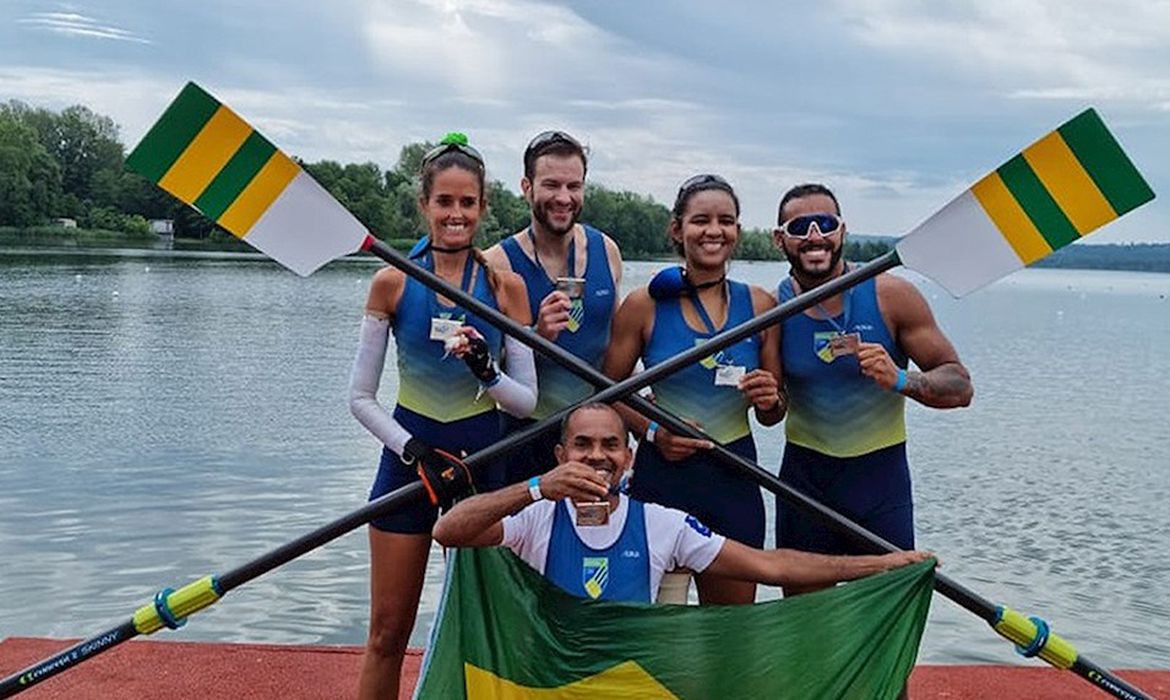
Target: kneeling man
[573, 525]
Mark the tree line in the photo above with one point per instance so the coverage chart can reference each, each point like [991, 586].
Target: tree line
[70, 164]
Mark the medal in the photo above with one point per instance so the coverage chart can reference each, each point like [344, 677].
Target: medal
[844, 344]
[444, 328]
[729, 375]
[592, 514]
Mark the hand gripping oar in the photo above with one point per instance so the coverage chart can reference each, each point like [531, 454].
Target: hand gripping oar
[232, 174]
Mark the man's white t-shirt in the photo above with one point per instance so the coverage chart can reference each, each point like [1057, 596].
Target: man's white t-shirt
[674, 538]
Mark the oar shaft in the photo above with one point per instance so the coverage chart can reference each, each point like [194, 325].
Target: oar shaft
[1107, 681]
[280, 556]
[63, 661]
[87, 649]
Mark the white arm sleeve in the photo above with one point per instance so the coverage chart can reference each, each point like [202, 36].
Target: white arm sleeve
[515, 392]
[363, 385]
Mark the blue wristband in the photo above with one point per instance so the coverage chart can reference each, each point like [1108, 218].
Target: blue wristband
[651, 430]
[534, 489]
[901, 383]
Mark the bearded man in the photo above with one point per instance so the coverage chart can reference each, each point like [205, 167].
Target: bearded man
[573, 273]
[846, 372]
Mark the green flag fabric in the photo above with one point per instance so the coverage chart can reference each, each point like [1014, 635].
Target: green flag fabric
[503, 632]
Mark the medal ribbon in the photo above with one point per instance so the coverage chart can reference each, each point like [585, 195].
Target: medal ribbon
[570, 262]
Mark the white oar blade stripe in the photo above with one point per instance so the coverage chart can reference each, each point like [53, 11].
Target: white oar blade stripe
[959, 247]
[305, 227]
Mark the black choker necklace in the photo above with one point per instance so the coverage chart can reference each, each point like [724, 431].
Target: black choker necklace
[460, 249]
[706, 285]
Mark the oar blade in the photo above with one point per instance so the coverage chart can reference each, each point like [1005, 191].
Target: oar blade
[1056, 191]
[207, 156]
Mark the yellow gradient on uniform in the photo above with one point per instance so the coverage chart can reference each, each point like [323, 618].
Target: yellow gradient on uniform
[1066, 180]
[206, 155]
[1007, 215]
[260, 193]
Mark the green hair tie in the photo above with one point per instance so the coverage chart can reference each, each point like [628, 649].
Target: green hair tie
[454, 138]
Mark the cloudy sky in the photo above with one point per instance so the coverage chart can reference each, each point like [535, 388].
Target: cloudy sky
[897, 104]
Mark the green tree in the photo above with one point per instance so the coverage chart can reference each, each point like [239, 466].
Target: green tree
[410, 160]
[84, 144]
[30, 179]
[508, 208]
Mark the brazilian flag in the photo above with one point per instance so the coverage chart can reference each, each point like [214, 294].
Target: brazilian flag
[504, 632]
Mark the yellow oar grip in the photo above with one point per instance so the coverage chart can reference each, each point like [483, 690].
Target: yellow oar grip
[1024, 633]
[171, 608]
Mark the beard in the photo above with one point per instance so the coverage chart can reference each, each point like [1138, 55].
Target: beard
[541, 214]
[815, 275]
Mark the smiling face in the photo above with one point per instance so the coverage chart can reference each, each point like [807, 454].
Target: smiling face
[817, 257]
[596, 436]
[708, 229]
[556, 192]
[453, 207]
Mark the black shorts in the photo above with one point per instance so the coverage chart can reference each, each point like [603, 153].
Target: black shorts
[469, 435]
[727, 502]
[872, 490]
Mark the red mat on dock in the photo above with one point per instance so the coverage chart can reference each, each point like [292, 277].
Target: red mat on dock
[197, 671]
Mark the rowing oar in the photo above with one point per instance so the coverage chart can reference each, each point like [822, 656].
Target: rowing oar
[253, 190]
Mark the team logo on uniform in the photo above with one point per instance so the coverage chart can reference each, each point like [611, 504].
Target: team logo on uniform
[822, 347]
[595, 575]
[576, 315]
[712, 361]
[698, 526]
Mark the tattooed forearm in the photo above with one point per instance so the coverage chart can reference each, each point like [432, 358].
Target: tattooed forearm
[945, 386]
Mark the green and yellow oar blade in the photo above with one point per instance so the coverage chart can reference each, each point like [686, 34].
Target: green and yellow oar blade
[1058, 190]
[205, 155]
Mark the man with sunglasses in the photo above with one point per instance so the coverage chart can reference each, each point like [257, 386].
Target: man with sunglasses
[573, 275]
[846, 373]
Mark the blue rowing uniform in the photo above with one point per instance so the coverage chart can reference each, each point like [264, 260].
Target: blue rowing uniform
[699, 485]
[832, 407]
[846, 436]
[586, 337]
[620, 572]
[439, 400]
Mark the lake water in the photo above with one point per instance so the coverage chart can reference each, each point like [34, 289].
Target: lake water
[162, 418]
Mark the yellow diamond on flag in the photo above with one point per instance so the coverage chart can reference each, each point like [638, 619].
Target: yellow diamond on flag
[625, 680]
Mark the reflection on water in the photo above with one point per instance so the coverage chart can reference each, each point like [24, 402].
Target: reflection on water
[165, 418]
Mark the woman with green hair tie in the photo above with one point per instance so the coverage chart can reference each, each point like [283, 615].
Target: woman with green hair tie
[445, 406]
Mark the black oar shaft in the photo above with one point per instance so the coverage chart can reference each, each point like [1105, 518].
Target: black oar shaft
[624, 391]
[26, 678]
[1107, 681]
[63, 661]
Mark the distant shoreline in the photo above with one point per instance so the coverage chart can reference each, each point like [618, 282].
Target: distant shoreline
[1119, 257]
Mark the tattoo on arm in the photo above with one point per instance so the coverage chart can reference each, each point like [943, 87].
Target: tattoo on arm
[945, 386]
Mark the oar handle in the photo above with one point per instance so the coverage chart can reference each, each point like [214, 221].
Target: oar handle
[63, 661]
[170, 608]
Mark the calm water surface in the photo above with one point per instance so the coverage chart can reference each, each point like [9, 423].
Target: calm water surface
[165, 418]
